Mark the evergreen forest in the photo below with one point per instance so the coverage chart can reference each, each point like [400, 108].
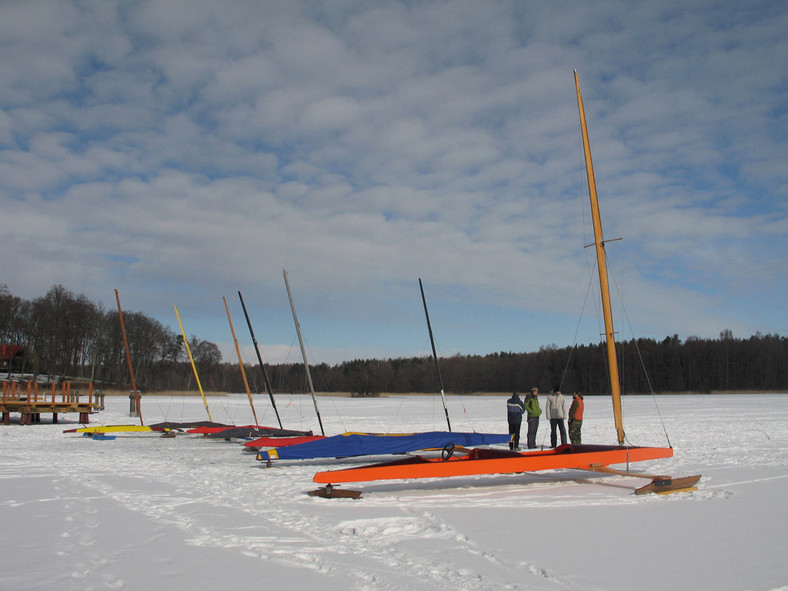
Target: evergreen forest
[63, 335]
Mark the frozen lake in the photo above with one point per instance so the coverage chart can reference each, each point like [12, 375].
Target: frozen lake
[143, 511]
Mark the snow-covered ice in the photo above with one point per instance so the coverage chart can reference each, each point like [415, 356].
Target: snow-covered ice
[142, 511]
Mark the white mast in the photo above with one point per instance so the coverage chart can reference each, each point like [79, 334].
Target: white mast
[303, 352]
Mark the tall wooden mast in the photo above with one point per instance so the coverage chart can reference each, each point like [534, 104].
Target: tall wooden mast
[599, 243]
[135, 392]
[240, 361]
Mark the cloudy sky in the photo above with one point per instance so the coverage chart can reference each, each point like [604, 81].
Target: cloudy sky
[183, 150]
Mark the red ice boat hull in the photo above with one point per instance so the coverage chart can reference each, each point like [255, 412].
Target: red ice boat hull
[280, 441]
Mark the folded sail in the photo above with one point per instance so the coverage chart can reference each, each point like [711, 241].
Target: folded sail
[256, 444]
[249, 432]
[363, 444]
[116, 429]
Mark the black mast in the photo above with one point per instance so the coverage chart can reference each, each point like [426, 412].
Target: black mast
[434, 354]
[260, 360]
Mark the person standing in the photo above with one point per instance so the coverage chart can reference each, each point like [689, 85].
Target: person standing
[556, 412]
[514, 415]
[576, 418]
[533, 410]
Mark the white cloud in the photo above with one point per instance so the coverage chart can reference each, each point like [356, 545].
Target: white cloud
[181, 150]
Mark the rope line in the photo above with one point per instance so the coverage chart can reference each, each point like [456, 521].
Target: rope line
[642, 364]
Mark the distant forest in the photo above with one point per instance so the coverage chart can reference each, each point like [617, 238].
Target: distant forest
[66, 335]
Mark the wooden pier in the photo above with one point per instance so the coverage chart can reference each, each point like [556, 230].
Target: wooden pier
[30, 402]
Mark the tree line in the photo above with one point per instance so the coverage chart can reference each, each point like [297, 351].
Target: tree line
[66, 335]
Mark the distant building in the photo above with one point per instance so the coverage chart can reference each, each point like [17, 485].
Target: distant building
[12, 357]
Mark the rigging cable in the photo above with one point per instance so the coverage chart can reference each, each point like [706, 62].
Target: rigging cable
[643, 367]
[577, 328]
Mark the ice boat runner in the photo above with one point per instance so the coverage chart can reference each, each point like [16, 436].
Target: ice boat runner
[489, 461]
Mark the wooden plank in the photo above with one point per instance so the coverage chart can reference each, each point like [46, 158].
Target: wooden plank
[334, 492]
[608, 470]
[659, 484]
[670, 485]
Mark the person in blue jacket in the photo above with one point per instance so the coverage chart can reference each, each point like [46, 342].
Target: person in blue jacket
[514, 415]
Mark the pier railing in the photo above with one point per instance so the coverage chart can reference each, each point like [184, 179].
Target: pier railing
[30, 399]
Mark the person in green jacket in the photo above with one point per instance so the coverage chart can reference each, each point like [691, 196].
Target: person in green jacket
[533, 411]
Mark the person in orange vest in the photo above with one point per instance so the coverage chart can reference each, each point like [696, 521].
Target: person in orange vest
[576, 418]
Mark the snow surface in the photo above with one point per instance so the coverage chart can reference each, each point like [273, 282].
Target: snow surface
[143, 512]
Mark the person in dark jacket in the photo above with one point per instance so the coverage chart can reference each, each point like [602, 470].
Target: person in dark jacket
[576, 418]
[514, 416]
[534, 411]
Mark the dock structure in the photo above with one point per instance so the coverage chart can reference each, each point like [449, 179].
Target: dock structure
[31, 402]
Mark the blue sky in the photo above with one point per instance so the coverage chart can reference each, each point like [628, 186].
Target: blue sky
[181, 151]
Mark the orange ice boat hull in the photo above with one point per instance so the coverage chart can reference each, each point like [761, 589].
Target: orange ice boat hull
[491, 461]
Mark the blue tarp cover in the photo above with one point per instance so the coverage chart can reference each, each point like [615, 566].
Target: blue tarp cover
[366, 444]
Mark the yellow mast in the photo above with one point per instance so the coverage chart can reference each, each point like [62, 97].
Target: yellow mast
[599, 243]
[194, 367]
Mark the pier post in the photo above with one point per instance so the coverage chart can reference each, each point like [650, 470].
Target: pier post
[133, 410]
